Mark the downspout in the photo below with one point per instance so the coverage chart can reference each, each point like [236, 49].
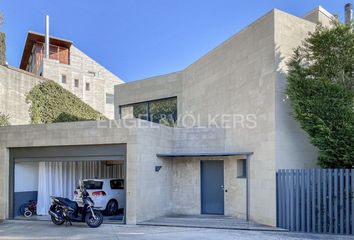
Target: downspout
[248, 188]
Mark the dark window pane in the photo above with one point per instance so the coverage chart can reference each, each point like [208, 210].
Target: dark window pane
[93, 185]
[140, 110]
[63, 78]
[164, 111]
[117, 184]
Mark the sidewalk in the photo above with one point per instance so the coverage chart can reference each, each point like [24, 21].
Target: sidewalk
[16, 229]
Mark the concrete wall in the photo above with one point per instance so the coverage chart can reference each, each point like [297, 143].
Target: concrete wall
[237, 77]
[147, 191]
[86, 70]
[293, 149]
[14, 86]
[245, 75]
[164, 86]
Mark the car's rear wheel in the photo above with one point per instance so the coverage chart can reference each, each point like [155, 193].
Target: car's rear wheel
[111, 208]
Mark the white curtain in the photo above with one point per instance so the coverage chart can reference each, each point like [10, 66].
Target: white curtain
[61, 179]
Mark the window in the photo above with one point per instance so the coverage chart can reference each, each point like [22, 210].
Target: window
[76, 83]
[87, 86]
[63, 78]
[109, 98]
[93, 74]
[163, 111]
[117, 184]
[93, 185]
[241, 168]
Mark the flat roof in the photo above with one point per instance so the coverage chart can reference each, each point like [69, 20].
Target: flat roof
[214, 154]
[33, 37]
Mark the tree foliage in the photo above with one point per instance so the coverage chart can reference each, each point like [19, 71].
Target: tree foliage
[50, 102]
[4, 120]
[321, 90]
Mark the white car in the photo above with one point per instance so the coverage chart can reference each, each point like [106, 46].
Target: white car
[107, 194]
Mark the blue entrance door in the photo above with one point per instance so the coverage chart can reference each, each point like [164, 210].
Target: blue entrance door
[212, 187]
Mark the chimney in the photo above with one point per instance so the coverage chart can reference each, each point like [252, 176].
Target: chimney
[46, 36]
[348, 12]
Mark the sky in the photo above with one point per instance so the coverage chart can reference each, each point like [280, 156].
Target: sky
[136, 39]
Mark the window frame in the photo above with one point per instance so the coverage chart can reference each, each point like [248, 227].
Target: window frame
[63, 77]
[148, 106]
[87, 86]
[76, 80]
[119, 188]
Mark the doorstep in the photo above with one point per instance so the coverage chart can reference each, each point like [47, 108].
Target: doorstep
[208, 221]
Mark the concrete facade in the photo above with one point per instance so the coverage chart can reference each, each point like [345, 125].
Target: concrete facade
[241, 81]
[86, 71]
[244, 76]
[16, 83]
[149, 194]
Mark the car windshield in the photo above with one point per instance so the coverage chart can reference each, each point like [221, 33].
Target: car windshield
[93, 184]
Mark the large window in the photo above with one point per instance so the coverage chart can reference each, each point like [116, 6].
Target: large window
[163, 111]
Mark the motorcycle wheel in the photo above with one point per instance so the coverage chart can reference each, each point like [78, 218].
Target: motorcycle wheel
[57, 222]
[91, 221]
[27, 213]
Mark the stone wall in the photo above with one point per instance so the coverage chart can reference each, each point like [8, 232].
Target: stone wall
[86, 71]
[14, 86]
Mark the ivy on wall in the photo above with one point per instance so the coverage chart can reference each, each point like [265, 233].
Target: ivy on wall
[4, 120]
[50, 102]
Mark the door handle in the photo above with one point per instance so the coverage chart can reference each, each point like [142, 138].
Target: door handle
[222, 186]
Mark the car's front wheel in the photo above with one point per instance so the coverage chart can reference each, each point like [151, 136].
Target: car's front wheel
[111, 208]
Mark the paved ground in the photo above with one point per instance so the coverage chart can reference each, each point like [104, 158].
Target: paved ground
[207, 221]
[17, 229]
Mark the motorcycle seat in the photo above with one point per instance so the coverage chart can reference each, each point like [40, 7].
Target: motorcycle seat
[69, 203]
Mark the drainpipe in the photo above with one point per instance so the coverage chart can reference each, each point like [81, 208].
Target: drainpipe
[248, 188]
[46, 36]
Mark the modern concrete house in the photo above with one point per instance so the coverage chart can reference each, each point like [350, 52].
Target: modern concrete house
[66, 65]
[232, 131]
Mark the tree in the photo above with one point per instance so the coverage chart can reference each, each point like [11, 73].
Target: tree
[4, 120]
[321, 90]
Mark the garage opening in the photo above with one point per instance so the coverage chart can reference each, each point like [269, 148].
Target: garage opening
[40, 172]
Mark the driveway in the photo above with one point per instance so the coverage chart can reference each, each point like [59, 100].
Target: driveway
[46, 230]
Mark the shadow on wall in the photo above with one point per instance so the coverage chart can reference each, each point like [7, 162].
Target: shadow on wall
[67, 117]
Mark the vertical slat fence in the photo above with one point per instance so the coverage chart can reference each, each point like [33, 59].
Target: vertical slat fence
[316, 200]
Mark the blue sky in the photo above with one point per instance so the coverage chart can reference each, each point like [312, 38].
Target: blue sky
[136, 39]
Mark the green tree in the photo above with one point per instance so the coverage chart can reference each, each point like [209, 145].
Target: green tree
[50, 102]
[321, 90]
[4, 120]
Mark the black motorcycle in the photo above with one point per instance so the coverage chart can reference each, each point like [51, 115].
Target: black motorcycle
[64, 210]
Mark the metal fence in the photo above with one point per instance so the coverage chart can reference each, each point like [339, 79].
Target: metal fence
[316, 200]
